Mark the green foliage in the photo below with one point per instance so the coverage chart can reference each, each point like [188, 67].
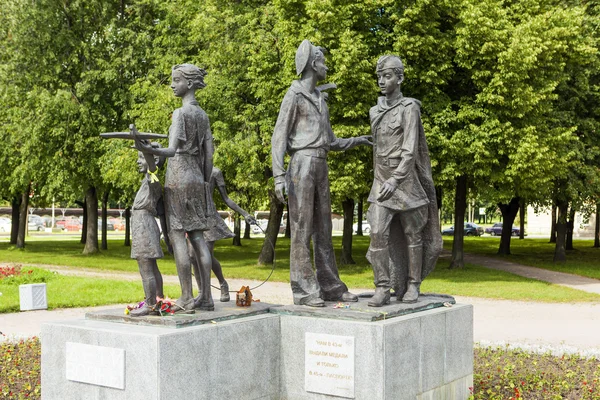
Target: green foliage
[505, 87]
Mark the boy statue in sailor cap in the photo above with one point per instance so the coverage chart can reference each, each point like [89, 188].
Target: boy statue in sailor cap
[405, 232]
[303, 130]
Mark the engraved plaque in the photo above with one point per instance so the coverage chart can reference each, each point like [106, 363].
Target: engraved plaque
[329, 364]
[98, 365]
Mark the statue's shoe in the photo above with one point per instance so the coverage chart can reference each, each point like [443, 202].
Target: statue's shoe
[381, 298]
[204, 305]
[224, 292]
[183, 307]
[412, 294]
[316, 302]
[347, 296]
[142, 311]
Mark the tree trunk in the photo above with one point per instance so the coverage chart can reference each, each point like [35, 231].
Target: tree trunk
[359, 211]
[247, 229]
[597, 228]
[348, 206]
[84, 223]
[127, 227]
[14, 228]
[104, 219]
[522, 209]
[509, 213]
[553, 225]
[237, 228]
[23, 218]
[560, 254]
[91, 239]
[460, 206]
[570, 228]
[267, 253]
[288, 228]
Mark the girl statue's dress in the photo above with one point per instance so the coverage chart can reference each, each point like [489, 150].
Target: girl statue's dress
[189, 205]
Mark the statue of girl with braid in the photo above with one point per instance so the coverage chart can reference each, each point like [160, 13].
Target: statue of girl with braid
[189, 206]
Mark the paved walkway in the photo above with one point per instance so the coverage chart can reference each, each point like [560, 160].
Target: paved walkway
[570, 327]
[558, 278]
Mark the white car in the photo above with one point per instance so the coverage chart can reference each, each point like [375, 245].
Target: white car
[5, 224]
[263, 226]
[366, 228]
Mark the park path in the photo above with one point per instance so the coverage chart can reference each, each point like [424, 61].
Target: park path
[559, 327]
[558, 278]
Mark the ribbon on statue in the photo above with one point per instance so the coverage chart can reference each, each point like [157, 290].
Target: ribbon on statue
[153, 177]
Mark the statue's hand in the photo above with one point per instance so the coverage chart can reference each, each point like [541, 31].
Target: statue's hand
[387, 190]
[142, 145]
[366, 140]
[279, 191]
[251, 220]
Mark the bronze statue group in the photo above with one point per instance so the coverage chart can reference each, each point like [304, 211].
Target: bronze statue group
[405, 234]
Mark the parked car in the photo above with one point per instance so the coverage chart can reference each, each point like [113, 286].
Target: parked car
[496, 230]
[471, 229]
[366, 228]
[261, 227]
[69, 224]
[5, 224]
[109, 225]
[118, 223]
[35, 223]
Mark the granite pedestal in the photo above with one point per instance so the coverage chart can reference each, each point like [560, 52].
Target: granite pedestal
[422, 351]
[427, 355]
[218, 359]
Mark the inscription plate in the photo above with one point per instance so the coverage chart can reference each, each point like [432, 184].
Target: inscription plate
[329, 364]
[98, 365]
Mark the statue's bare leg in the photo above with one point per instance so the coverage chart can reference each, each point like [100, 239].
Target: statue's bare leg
[182, 261]
[204, 301]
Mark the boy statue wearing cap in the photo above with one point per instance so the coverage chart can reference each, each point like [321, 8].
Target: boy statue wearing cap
[303, 130]
[405, 232]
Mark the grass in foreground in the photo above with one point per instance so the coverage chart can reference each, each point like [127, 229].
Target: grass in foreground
[240, 262]
[499, 374]
[69, 291]
[584, 260]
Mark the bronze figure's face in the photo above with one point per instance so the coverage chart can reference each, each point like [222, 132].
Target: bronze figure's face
[319, 66]
[388, 81]
[141, 163]
[179, 83]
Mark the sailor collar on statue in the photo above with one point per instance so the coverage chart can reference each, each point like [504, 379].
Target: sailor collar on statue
[298, 88]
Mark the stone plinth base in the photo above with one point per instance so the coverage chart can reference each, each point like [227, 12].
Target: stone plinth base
[426, 355]
[236, 359]
[286, 353]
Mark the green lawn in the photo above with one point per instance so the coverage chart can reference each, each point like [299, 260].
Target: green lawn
[240, 262]
[584, 260]
[69, 291]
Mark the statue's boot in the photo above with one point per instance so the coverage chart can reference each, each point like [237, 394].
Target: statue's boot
[380, 261]
[224, 292]
[381, 297]
[415, 262]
